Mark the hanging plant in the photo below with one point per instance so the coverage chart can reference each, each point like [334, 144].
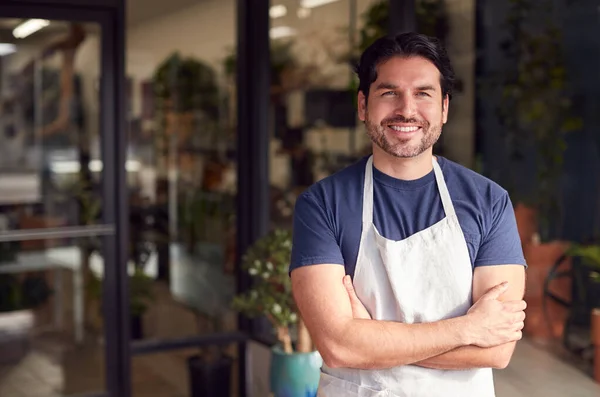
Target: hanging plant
[186, 85]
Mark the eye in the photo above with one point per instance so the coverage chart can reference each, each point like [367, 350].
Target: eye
[388, 93]
[423, 93]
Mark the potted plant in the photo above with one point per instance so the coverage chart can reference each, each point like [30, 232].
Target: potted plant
[141, 294]
[590, 256]
[295, 364]
[187, 111]
[18, 300]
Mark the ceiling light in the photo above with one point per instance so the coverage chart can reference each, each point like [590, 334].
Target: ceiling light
[29, 27]
[303, 12]
[6, 48]
[315, 3]
[280, 32]
[72, 167]
[277, 11]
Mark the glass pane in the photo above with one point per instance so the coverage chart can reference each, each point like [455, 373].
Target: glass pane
[50, 166]
[315, 126]
[181, 126]
[51, 328]
[186, 373]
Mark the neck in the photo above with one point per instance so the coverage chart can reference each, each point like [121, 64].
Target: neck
[407, 169]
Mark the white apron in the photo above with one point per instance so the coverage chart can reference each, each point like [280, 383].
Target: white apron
[424, 278]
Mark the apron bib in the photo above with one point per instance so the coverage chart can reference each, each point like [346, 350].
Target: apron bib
[423, 278]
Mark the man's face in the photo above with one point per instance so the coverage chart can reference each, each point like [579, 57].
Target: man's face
[405, 110]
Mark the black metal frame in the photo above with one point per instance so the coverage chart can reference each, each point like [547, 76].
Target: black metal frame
[113, 135]
[402, 16]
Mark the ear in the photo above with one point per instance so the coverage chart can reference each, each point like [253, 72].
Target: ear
[445, 105]
[362, 106]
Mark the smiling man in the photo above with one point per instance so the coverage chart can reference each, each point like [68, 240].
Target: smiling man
[407, 268]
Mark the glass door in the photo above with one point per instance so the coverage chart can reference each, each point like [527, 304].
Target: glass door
[58, 177]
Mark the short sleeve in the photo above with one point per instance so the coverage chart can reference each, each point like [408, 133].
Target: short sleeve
[313, 238]
[502, 244]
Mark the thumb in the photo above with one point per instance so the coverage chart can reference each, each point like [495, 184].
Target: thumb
[496, 291]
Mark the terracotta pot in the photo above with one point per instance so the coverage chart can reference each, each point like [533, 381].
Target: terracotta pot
[596, 342]
[540, 258]
[526, 223]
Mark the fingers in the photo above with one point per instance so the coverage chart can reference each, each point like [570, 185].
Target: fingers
[520, 325]
[518, 335]
[515, 306]
[496, 291]
[349, 287]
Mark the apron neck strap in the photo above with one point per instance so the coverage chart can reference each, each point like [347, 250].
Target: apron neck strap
[367, 215]
[443, 189]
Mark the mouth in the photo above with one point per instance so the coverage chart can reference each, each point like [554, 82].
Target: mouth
[404, 130]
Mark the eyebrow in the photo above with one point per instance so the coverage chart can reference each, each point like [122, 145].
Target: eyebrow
[391, 86]
[386, 86]
[426, 88]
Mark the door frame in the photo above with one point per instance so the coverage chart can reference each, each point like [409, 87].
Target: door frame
[113, 137]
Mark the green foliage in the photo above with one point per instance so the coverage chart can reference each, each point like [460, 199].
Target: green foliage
[140, 292]
[590, 254]
[267, 261]
[431, 19]
[430, 14]
[204, 216]
[15, 294]
[190, 85]
[10, 293]
[535, 105]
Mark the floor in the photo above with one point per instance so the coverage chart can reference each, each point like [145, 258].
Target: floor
[534, 372]
[54, 367]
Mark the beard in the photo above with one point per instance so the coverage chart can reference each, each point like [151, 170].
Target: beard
[399, 147]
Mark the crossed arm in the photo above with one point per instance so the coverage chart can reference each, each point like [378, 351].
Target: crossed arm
[346, 341]
[467, 357]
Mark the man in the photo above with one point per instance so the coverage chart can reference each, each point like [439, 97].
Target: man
[432, 249]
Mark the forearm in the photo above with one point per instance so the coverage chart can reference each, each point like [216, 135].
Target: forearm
[470, 357]
[368, 344]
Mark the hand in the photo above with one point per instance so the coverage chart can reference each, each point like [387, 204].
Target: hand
[358, 309]
[492, 322]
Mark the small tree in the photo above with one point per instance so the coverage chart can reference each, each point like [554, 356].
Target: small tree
[267, 261]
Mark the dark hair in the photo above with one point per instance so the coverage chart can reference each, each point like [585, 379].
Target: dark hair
[405, 45]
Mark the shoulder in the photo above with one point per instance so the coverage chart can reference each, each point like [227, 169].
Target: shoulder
[466, 184]
[342, 184]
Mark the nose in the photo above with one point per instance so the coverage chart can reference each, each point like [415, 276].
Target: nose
[405, 106]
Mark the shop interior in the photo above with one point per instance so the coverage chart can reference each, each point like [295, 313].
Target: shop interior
[182, 179]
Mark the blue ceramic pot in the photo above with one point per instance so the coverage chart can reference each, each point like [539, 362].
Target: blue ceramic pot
[296, 374]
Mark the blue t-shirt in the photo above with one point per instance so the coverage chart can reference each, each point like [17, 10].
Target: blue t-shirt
[328, 215]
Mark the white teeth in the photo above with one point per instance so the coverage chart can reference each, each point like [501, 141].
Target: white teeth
[403, 129]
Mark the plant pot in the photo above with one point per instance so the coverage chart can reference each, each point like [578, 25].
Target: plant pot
[294, 375]
[595, 330]
[549, 323]
[210, 378]
[15, 328]
[137, 327]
